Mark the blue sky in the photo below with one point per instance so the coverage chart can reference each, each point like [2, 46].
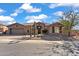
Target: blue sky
[30, 12]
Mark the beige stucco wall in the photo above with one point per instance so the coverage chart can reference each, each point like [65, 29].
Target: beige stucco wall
[50, 29]
[56, 29]
[20, 29]
[16, 29]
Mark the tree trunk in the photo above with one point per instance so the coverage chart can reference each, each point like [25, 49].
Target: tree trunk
[69, 33]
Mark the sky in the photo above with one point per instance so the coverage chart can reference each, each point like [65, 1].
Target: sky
[30, 12]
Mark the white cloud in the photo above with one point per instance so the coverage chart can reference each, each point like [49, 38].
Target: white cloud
[54, 5]
[1, 10]
[6, 20]
[17, 11]
[38, 18]
[33, 20]
[29, 8]
[26, 6]
[34, 10]
[14, 14]
[58, 13]
[76, 5]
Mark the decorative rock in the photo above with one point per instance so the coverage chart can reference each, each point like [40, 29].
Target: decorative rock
[69, 48]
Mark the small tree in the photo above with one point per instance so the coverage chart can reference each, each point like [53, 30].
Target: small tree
[69, 20]
[66, 25]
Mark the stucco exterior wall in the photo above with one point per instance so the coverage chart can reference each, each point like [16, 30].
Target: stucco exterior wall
[28, 29]
[50, 29]
[16, 29]
[17, 32]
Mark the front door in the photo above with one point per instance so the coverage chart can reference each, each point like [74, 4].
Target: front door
[39, 31]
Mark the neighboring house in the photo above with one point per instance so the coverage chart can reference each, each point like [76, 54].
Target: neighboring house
[3, 29]
[75, 32]
[56, 28]
[16, 29]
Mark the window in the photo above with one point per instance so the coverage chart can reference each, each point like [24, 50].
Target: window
[39, 27]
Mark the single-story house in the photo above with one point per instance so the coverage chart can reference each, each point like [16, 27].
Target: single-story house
[16, 29]
[36, 27]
